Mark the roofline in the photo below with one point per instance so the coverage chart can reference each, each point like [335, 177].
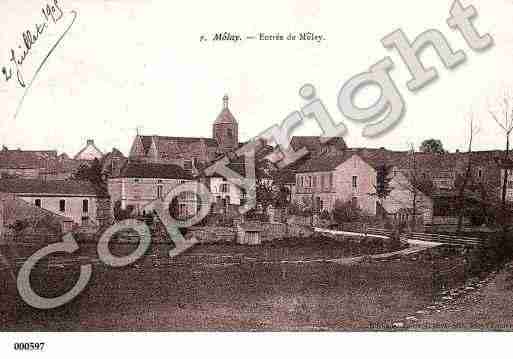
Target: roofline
[43, 194]
[83, 149]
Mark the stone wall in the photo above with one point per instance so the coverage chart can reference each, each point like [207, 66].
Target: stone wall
[268, 232]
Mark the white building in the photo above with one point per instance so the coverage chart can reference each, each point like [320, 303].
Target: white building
[81, 201]
[139, 184]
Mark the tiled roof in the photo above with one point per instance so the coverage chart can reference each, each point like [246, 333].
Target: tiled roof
[178, 147]
[153, 170]
[314, 144]
[51, 187]
[375, 157]
[237, 163]
[116, 152]
[225, 117]
[18, 159]
[89, 146]
[449, 161]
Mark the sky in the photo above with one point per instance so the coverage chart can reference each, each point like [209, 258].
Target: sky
[139, 64]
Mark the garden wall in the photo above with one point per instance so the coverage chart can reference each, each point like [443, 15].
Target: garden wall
[268, 232]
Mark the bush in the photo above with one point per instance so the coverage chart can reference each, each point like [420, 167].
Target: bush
[325, 215]
[346, 212]
[122, 214]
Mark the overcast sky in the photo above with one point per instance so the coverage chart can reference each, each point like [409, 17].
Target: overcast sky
[132, 63]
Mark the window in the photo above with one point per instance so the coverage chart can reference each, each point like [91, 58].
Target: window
[85, 206]
[159, 191]
[224, 188]
[331, 180]
[37, 202]
[355, 182]
[187, 165]
[322, 182]
[229, 132]
[182, 210]
[62, 205]
[85, 221]
[479, 173]
[314, 184]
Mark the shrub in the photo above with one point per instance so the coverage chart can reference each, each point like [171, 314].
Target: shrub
[122, 214]
[346, 212]
[325, 215]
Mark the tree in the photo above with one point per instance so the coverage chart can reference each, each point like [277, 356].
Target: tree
[345, 211]
[464, 181]
[282, 197]
[503, 117]
[122, 214]
[416, 185]
[90, 172]
[382, 187]
[432, 146]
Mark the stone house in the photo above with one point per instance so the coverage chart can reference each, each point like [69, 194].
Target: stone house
[315, 147]
[139, 183]
[40, 221]
[84, 203]
[446, 169]
[350, 176]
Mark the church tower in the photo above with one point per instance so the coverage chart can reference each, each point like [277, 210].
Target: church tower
[226, 129]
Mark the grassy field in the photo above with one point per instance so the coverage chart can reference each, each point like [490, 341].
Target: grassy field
[292, 249]
[182, 293]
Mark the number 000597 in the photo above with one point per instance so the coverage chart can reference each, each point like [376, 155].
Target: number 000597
[29, 346]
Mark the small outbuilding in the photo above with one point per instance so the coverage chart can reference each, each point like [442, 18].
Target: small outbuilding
[249, 233]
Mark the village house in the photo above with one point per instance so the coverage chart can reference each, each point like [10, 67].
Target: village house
[447, 170]
[84, 203]
[351, 176]
[16, 213]
[112, 163]
[140, 183]
[315, 145]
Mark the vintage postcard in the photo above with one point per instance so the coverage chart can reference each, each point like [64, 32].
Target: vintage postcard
[271, 166]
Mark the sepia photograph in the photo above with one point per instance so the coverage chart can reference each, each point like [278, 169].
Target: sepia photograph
[272, 177]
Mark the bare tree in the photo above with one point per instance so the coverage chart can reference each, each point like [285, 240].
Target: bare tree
[503, 117]
[415, 186]
[473, 130]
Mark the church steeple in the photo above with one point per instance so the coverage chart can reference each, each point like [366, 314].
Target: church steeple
[226, 129]
[225, 101]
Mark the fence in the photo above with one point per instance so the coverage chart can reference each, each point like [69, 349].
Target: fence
[433, 237]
